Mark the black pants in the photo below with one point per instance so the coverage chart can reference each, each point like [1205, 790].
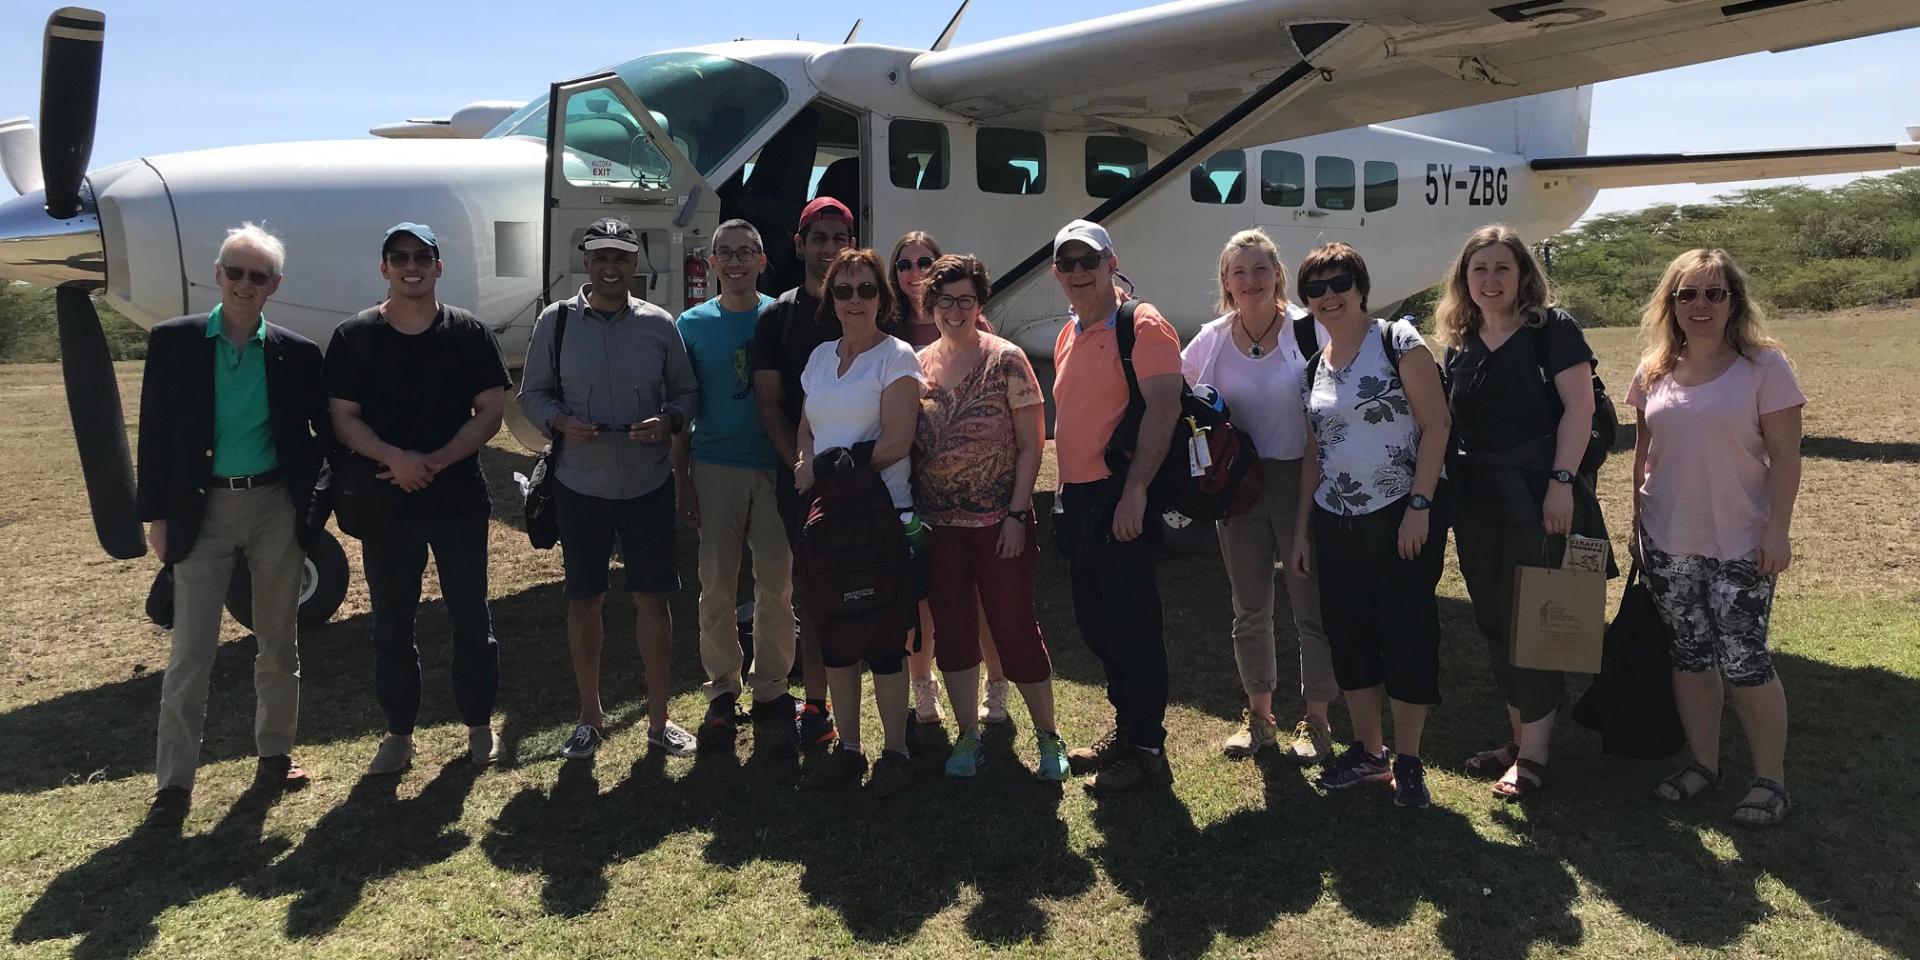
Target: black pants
[1489, 550]
[394, 564]
[1116, 603]
[1380, 613]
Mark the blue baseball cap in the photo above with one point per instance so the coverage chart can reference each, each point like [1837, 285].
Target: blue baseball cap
[420, 232]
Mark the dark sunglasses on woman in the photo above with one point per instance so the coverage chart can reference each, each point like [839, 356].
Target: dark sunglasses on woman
[867, 290]
[1713, 294]
[902, 265]
[1315, 289]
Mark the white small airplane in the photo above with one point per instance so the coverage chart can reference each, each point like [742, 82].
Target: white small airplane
[1398, 125]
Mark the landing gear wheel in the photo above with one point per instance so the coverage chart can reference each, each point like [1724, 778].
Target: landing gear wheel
[323, 584]
[1182, 536]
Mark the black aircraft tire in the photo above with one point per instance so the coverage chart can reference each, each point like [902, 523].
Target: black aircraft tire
[323, 585]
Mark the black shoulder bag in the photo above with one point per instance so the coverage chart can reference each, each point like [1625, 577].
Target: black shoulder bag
[543, 521]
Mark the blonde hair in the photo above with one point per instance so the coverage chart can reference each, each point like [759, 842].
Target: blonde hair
[1457, 315]
[1746, 322]
[1256, 238]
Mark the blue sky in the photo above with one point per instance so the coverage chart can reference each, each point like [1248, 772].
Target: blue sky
[182, 76]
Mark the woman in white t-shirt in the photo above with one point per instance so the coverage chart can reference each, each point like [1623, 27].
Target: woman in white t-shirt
[1252, 358]
[1375, 526]
[863, 387]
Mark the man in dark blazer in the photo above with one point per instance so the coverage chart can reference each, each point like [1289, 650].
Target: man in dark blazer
[233, 425]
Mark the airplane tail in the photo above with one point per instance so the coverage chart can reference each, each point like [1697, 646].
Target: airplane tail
[1550, 124]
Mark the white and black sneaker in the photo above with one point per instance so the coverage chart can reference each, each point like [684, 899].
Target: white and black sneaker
[584, 742]
[676, 742]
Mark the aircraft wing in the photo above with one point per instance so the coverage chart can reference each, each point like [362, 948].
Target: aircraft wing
[1171, 70]
[1653, 169]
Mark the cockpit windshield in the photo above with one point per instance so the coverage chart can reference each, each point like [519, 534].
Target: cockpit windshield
[708, 105]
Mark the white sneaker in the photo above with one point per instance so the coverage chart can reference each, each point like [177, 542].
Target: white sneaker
[394, 756]
[926, 701]
[994, 708]
[675, 741]
[483, 745]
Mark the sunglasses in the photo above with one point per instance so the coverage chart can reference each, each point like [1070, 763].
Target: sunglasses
[419, 258]
[867, 290]
[903, 264]
[1088, 262]
[1713, 294]
[256, 277]
[965, 301]
[1315, 289]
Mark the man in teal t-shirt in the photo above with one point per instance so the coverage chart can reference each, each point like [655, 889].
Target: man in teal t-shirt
[727, 471]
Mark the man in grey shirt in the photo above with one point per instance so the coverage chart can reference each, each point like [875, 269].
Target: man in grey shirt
[611, 397]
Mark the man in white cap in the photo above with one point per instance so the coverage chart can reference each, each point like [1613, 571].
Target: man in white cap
[1107, 534]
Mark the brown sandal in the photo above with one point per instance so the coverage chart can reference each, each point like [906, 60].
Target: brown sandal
[1771, 811]
[1677, 782]
[1493, 763]
[1523, 788]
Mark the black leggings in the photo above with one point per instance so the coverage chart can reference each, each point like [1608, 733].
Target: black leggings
[1489, 550]
[1380, 613]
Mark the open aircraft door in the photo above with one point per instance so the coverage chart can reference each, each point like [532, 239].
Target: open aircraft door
[609, 156]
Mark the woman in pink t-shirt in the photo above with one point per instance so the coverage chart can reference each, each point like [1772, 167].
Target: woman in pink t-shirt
[1717, 466]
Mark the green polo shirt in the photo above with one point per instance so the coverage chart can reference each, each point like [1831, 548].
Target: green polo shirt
[242, 439]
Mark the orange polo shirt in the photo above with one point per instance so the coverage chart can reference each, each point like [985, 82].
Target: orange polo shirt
[1090, 386]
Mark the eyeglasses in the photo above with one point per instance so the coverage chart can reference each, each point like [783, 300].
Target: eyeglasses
[867, 290]
[1089, 262]
[965, 301]
[419, 258]
[903, 264]
[1713, 294]
[1315, 289]
[256, 277]
[742, 255]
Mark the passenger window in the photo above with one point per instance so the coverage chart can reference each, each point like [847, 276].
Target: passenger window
[1333, 183]
[1112, 163]
[1383, 185]
[1221, 179]
[1010, 161]
[917, 154]
[1283, 178]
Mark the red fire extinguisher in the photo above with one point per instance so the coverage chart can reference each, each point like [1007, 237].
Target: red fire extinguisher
[696, 274]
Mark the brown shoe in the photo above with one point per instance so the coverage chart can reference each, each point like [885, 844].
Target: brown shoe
[1312, 743]
[169, 805]
[1135, 769]
[1096, 756]
[281, 771]
[1255, 734]
[892, 774]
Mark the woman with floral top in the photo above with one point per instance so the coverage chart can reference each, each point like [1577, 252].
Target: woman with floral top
[1375, 527]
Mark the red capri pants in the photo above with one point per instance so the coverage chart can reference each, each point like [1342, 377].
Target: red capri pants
[963, 563]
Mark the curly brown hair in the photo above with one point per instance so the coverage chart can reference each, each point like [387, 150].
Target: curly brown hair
[951, 268]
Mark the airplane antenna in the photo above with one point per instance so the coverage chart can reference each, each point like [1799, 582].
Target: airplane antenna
[851, 34]
[946, 36]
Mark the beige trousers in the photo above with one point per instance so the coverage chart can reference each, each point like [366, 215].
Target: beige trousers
[1252, 544]
[259, 525]
[738, 511]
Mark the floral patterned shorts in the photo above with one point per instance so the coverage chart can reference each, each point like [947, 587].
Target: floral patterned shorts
[1717, 610]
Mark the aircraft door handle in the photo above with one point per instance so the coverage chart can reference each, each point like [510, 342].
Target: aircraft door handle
[1314, 213]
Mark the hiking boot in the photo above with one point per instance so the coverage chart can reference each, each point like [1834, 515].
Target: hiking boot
[280, 771]
[965, 759]
[584, 742]
[1257, 733]
[1410, 783]
[774, 730]
[1136, 768]
[815, 724]
[1111, 746]
[926, 700]
[1053, 757]
[674, 740]
[169, 805]
[892, 775]
[483, 745]
[1355, 766]
[720, 727]
[394, 755]
[1312, 743]
[841, 767]
[993, 709]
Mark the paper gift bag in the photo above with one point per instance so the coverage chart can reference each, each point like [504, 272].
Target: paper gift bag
[1559, 619]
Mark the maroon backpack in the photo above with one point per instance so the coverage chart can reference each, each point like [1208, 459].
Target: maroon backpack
[852, 564]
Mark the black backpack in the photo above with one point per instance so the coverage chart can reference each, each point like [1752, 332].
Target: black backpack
[1606, 421]
[1228, 484]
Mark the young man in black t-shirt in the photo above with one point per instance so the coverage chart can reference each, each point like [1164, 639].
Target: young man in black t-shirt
[789, 330]
[419, 387]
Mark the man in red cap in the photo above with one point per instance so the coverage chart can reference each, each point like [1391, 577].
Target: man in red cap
[789, 329]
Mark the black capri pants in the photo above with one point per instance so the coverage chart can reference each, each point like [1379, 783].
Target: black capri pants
[1380, 612]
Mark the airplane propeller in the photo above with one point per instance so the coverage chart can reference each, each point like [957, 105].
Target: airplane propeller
[69, 103]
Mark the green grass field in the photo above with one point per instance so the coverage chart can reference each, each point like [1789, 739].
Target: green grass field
[729, 857]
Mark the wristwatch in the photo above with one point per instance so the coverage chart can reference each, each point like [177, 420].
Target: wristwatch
[1418, 502]
[1561, 476]
[1021, 515]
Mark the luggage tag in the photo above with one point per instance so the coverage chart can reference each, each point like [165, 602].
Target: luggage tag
[1199, 454]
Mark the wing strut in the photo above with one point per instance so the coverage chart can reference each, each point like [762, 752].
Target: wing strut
[953, 26]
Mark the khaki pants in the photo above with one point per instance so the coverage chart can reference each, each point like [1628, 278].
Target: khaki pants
[258, 524]
[1251, 545]
[738, 510]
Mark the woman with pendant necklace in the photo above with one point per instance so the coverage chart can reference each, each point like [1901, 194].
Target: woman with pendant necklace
[1252, 357]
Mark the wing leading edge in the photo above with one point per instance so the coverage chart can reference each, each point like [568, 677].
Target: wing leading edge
[1653, 169]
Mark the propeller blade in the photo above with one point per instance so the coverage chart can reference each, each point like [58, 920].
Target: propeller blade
[69, 100]
[20, 154]
[93, 400]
